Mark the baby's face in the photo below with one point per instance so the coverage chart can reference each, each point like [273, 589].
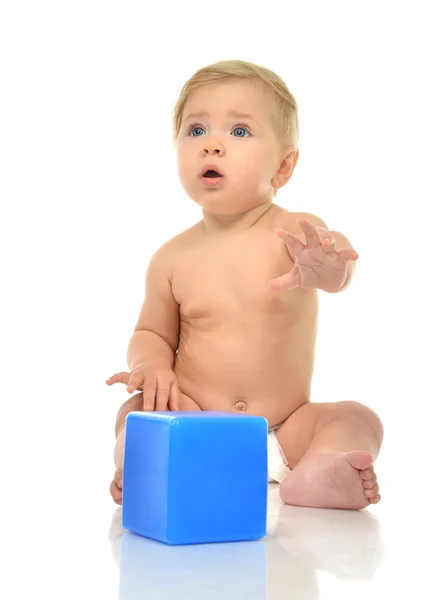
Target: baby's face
[244, 147]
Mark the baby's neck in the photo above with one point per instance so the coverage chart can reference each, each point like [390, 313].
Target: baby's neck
[215, 225]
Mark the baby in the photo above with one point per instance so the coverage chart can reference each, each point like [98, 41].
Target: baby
[230, 314]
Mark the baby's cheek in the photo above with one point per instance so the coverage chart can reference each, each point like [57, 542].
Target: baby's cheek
[182, 170]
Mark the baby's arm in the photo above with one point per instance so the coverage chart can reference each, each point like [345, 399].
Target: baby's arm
[152, 347]
[157, 330]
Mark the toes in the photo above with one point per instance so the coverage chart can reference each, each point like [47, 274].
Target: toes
[116, 492]
[368, 484]
[375, 500]
[367, 473]
[116, 486]
[360, 459]
[372, 492]
[118, 477]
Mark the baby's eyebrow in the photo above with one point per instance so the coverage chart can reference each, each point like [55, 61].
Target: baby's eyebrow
[231, 113]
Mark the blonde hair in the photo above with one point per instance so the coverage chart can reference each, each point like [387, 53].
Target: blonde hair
[285, 113]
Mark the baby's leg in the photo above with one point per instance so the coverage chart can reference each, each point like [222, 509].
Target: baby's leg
[331, 448]
[132, 404]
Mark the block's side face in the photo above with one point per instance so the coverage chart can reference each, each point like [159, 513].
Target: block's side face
[256, 483]
[178, 498]
[145, 477]
[219, 480]
[246, 467]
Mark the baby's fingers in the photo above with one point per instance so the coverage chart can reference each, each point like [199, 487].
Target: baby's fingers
[134, 381]
[285, 282]
[328, 244]
[149, 395]
[118, 378]
[346, 255]
[174, 398]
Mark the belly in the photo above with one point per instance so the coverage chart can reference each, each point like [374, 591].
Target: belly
[250, 368]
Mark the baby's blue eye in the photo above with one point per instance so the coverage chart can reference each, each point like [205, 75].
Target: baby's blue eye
[240, 129]
[198, 131]
[194, 129]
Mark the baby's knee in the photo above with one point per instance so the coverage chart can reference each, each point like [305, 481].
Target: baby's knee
[132, 404]
[365, 413]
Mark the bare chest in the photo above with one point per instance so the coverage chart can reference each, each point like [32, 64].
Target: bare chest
[229, 279]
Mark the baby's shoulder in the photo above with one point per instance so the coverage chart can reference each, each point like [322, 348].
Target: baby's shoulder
[184, 239]
[171, 250]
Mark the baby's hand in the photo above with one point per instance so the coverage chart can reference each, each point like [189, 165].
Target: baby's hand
[158, 384]
[318, 263]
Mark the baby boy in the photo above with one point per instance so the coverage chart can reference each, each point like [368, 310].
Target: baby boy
[230, 313]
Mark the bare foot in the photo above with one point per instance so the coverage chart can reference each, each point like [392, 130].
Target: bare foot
[332, 480]
[116, 486]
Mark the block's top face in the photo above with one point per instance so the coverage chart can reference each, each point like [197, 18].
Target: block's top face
[172, 418]
[162, 417]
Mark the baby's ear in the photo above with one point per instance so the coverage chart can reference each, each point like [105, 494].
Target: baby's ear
[292, 156]
[286, 168]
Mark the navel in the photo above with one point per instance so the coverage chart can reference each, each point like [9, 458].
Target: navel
[240, 405]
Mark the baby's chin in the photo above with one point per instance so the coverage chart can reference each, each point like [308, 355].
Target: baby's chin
[223, 203]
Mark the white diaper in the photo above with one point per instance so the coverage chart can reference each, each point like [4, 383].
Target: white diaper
[277, 463]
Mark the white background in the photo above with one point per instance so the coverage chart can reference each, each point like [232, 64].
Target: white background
[89, 190]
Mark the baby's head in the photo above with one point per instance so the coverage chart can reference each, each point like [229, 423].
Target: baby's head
[241, 118]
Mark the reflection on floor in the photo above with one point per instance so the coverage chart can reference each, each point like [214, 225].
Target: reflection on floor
[299, 543]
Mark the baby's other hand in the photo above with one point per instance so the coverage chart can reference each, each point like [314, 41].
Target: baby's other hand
[158, 383]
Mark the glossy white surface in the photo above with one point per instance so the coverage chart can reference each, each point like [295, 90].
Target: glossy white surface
[299, 544]
[307, 554]
[62, 534]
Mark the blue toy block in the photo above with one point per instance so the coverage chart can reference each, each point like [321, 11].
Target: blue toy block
[195, 477]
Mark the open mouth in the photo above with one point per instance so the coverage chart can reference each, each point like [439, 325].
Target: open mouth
[211, 178]
[211, 174]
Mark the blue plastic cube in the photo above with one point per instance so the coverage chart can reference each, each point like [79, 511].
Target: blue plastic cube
[195, 477]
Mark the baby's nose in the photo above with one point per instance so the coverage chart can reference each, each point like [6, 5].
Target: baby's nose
[213, 148]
